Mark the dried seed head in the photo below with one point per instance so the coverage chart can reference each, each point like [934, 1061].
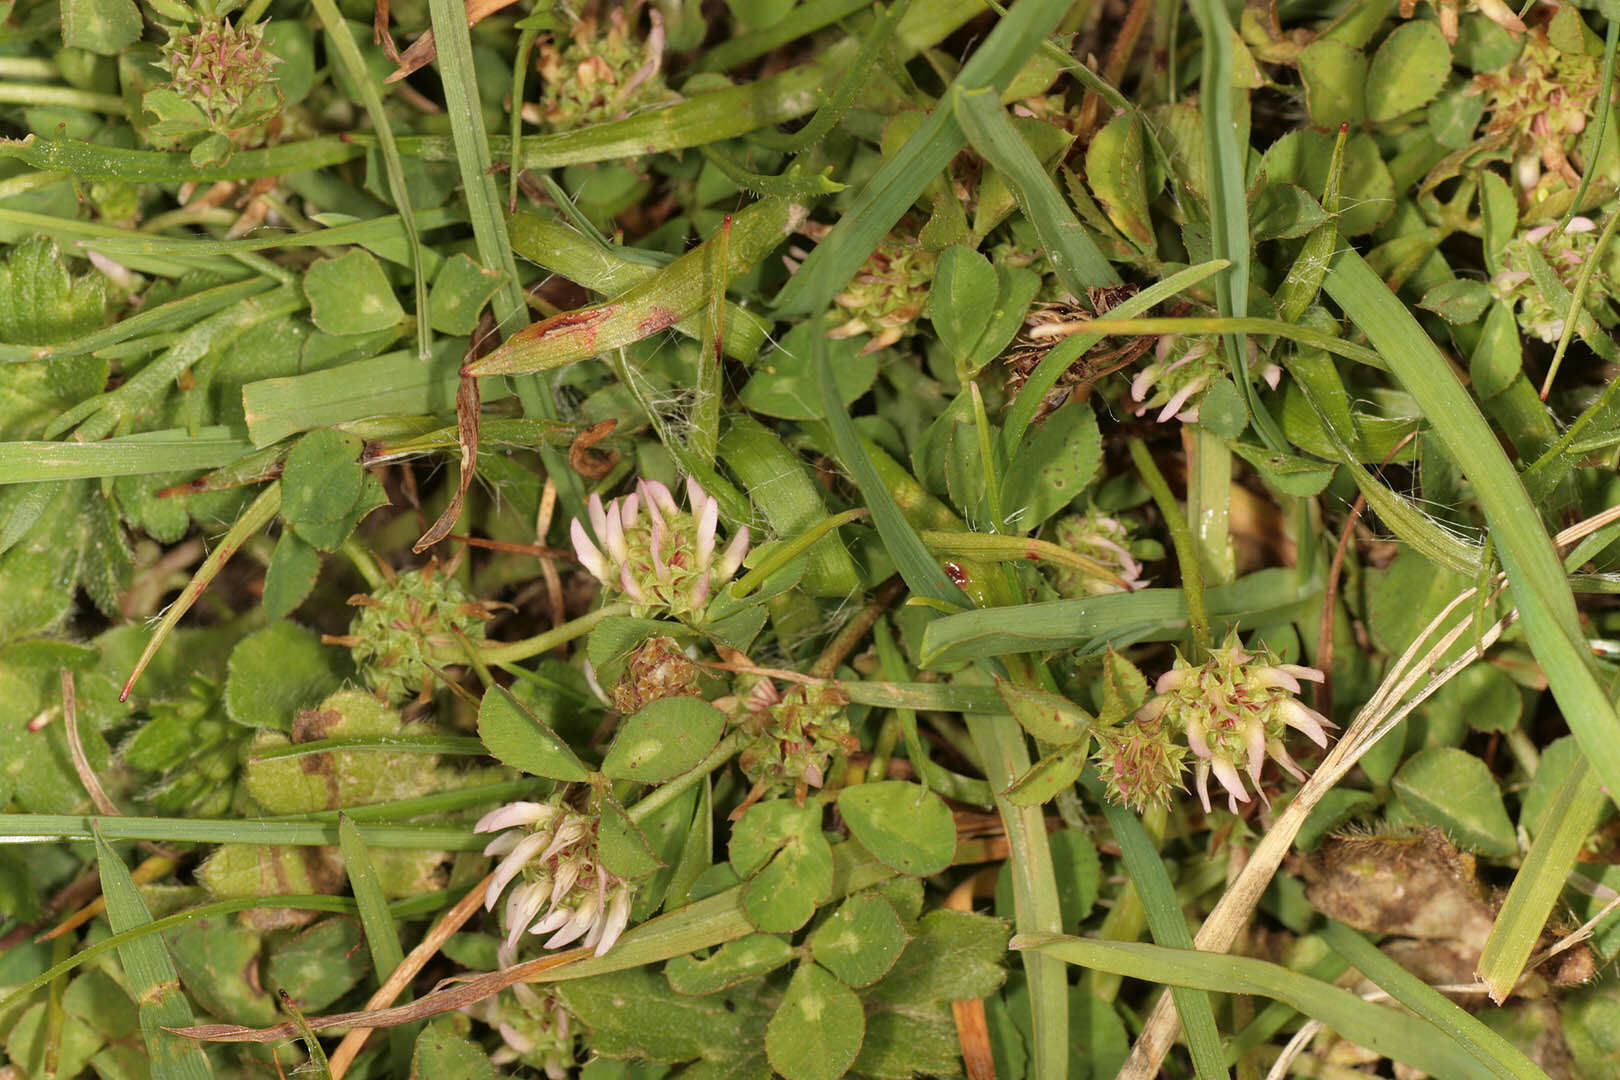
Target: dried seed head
[658, 668]
[796, 733]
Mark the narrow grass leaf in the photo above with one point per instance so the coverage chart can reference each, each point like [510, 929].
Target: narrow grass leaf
[318, 1067]
[1226, 159]
[41, 828]
[254, 518]
[1540, 590]
[1493, 1054]
[1387, 1031]
[163, 317]
[1091, 624]
[337, 31]
[1075, 258]
[662, 300]
[1036, 906]
[804, 19]
[460, 82]
[153, 981]
[400, 744]
[610, 270]
[377, 921]
[173, 450]
[921, 573]
[1540, 880]
[1169, 928]
[903, 177]
[1057, 361]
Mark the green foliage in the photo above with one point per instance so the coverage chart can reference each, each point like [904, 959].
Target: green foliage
[1454, 790]
[522, 740]
[41, 301]
[845, 268]
[663, 739]
[351, 295]
[905, 826]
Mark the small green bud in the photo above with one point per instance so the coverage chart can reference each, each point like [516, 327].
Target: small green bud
[407, 622]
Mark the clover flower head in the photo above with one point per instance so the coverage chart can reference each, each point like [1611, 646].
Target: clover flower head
[404, 623]
[1540, 101]
[796, 734]
[1234, 709]
[602, 69]
[1565, 251]
[1106, 540]
[1139, 761]
[657, 668]
[887, 295]
[1449, 12]
[223, 70]
[662, 558]
[1182, 369]
[562, 888]
[535, 1028]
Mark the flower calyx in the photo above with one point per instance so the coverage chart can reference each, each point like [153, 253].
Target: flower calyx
[796, 733]
[404, 624]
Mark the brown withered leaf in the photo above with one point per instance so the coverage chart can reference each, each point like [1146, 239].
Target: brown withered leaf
[422, 52]
[1412, 884]
[590, 463]
[468, 405]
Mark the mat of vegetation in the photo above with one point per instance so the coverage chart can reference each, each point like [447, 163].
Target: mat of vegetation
[809, 538]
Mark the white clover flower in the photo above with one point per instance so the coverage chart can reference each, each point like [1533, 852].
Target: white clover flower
[1565, 250]
[535, 1029]
[563, 889]
[663, 561]
[1105, 540]
[1182, 368]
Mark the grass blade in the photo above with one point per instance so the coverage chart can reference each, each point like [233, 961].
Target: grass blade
[1169, 928]
[1390, 1032]
[663, 299]
[337, 32]
[175, 450]
[1056, 362]
[1493, 1053]
[456, 745]
[1226, 151]
[901, 180]
[456, 75]
[921, 573]
[254, 518]
[1091, 624]
[1540, 881]
[1000, 742]
[1075, 257]
[1534, 572]
[377, 922]
[153, 981]
[610, 270]
[40, 828]
[170, 316]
